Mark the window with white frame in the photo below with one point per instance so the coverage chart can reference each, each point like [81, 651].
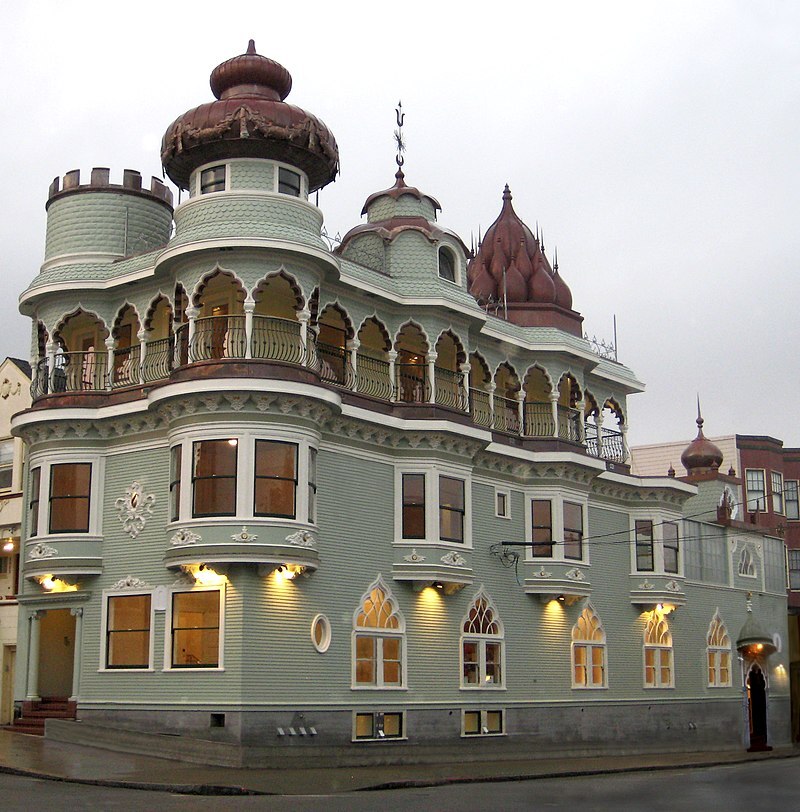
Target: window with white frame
[195, 628]
[776, 484]
[482, 645]
[447, 264]
[719, 653]
[756, 490]
[502, 504]
[214, 471]
[656, 546]
[378, 640]
[212, 180]
[174, 483]
[33, 502]
[289, 182]
[790, 499]
[482, 722]
[433, 505]
[794, 569]
[645, 550]
[6, 464]
[669, 532]
[658, 660]
[128, 624]
[556, 527]
[588, 651]
[312, 485]
[275, 486]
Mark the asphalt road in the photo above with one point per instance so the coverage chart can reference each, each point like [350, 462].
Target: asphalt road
[773, 784]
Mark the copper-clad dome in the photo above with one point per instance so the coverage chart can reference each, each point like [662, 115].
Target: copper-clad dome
[250, 119]
[701, 455]
[511, 267]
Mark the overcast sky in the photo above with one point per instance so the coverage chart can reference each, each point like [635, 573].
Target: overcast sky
[655, 143]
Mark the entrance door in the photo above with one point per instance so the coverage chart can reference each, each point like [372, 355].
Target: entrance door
[757, 709]
[7, 697]
[56, 653]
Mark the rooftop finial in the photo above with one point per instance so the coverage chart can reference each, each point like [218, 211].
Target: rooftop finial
[699, 420]
[555, 260]
[251, 47]
[398, 135]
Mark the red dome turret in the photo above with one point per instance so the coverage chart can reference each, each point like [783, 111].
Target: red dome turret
[701, 456]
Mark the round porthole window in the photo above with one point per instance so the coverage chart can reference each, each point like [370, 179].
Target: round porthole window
[321, 633]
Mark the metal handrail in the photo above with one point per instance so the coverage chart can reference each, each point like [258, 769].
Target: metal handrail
[412, 383]
[569, 424]
[539, 420]
[506, 415]
[158, 359]
[479, 407]
[84, 371]
[217, 337]
[334, 364]
[611, 446]
[276, 339]
[125, 371]
[372, 377]
[450, 388]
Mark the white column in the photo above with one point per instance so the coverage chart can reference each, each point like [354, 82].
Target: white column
[142, 335]
[490, 389]
[249, 308]
[598, 421]
[32, 693]
[430, 359]
[580, 406]
[77, 613]
[303, 317]
[392, 356]
[521, 410]
[626, 452]
[352, 346]
[554, 407]
[111, 342]
[50, 350]
[465, 369]
[192, 313]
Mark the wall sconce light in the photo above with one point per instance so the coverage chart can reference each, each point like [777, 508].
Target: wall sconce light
[289, 571]
[8, 546]
[204, 575]
[51, 584]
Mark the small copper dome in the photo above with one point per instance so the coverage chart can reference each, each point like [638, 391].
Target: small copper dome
[511, 267]
[701, 455]
[250, 119]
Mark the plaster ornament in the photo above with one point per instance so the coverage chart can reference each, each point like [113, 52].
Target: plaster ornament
[413, 557]
[134, 509]
[647, 585]
[575, 574]
[302, 538]
[184, 537]
[130, 582]
[7, 388]
[41, 551]
[672, 586]
[453, 559]
[543, 573]
[243, 535]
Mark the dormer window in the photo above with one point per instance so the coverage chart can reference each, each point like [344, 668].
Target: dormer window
[288, 182]
[212, 180]
[447, 265]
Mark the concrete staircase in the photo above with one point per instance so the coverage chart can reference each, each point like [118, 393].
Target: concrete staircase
[34, 714]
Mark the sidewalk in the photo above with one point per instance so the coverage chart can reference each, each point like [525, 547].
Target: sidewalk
[35, 756]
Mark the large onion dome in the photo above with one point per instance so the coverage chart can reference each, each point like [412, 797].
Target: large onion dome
[701, 456]
[510, 268]
[250, 119]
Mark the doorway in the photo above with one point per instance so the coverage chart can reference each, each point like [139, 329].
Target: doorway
[757, 708]
[56, 654]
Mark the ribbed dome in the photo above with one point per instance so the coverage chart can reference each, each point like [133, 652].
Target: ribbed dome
[250, 119]
[701, 455]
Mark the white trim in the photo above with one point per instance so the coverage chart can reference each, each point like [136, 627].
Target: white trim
[659, 517]
[652, 622]
[507, 494]
[168, 630]
[125, 593]
[557, 496]
[589, 645]
[482, 639]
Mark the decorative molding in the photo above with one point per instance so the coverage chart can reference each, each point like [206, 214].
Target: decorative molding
[184, 537]
[9, 389]
[130, 582]
[647, 585]
[135, 508]
[302, 538]
[76, 611]
[575, 574]
[243, 535]
[453, 559]
[672, 586]
[40, 551]
[414, 557]
[543, 573]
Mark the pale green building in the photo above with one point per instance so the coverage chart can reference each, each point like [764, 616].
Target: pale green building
[357, 503]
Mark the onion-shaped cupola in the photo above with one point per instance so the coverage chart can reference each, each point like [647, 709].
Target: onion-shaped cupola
[250, 119]
[511, 268]
[701, 456]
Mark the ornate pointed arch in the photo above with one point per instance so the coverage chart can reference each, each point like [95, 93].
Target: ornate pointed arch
[450, 345]
[378, 609]
[368, 332]
[482, 618]
[656, 632]
[283, 281]
[589, 627]
[211, 277]
[588, 650]
[409, 330]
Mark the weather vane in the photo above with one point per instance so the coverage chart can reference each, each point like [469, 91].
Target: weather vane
[398, 134]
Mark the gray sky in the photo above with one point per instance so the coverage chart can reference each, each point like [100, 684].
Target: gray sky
[655, 143]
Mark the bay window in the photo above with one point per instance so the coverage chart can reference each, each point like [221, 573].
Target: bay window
[413, 506]
[542, 518]
[70, 486]
[451, 509]
[556, 527]
[275, 486]
[214, 478]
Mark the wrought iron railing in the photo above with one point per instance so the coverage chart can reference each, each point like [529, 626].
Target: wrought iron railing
[277, 339]
[79, 372]
[181, 347]
[611, 446]
[569, 424]
[218, 337]
[334, 366]
[126, 367]
[412, 383]
[40, 379]
[479, 407]
[539, 420]
[372, 377]
[506, 414]
[158, 359]
[450, 389]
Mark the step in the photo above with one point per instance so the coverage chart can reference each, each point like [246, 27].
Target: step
[30, 731]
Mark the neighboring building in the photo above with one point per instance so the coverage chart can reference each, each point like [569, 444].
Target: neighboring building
[770, 475]
[295, 502]
[15, 395]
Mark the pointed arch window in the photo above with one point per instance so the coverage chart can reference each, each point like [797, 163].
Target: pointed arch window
[378, 640]
[482, 645]
[719, 653]
[588, 651]
[747, 567]
[658, 661]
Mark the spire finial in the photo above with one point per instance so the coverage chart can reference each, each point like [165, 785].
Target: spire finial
[251, 47]
[507, 194]
[555, 260]
[699, 420]
[398, 135]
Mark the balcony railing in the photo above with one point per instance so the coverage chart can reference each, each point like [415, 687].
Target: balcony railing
[412, 383]
[569, 424]
[450, 389]
[277, 339]
[609, 445]
[158, 359]
[539, 420]
[334, 364]
[126, 367]
[372, 377]
[218, 337]
[79, 372]
[506, 415]
[479, 407]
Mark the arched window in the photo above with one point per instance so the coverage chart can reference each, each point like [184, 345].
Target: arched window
[747, 567]
[719, 654]
[447, 265]
[378, 640]
[482, 645]
[658, 664]
[588, 651]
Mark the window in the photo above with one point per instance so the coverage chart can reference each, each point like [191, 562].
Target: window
[175, 484]
[212, 180]
[6, 464]
[790, 499]
[756, 493]
[573, 530]
[376, 726]
[542, 518]
[451, 509]
[644, 545]
[33, 504]
[128, 623]
[447, 265]
[482, 723]
[288, 182]
[588, 651]
[670, 540]
[378, 640]
[413, 506]
[776, 482]
[747, 566]
[482, 646]
[70, 485]
[658, 669]
[312, 485]
[794, 569]
[502, 507]
[275, 486]
[719, 654]
[321, 633]
[195, 629]
[214, 478]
